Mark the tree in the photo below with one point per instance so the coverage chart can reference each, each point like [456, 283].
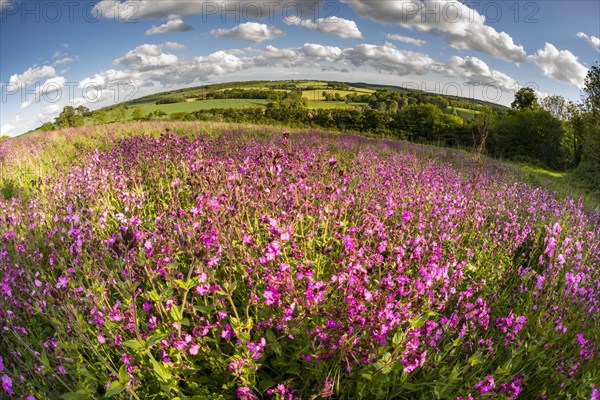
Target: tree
[525, 99]
[483, 123]
[439, 102]
[69, 117]
[83, 111]
[48, 126]
[118, 114]
[592, 89]
[138, 113]
[558, 106]
[588, 122]
[531, 136]
[100, 117]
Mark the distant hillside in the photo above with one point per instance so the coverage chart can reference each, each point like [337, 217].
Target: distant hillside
[206, 101]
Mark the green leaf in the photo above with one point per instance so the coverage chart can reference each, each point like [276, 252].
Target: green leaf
[115, 388]
[135, 345]
[152, 340]
[397, 338]
[154, 296]
[454, 374]
[176, 314]
[443, 390]
[473, 360]
[123, 375]
[45, 363]
[161, 371]
[78, 395]
[418, 322]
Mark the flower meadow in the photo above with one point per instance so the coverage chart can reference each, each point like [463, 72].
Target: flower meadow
[308, 265]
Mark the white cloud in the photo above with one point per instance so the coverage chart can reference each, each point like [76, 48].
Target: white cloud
[476, 72]
[174, 46]
[344, 28]
[322, 53]
[164, 9]
[405, 39]
[51, 85]
[146, 57]
[592, 40]
[462, 27]
[65, 60]
[49, 113]
[32, 75]
[4, 4]
[172, 25]
[142, 65]
[6, 128]
[48, 88]
[389, 58]
[561, 65]
[251, 31]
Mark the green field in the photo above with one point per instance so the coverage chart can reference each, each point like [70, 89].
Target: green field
[192, 106]
[469, 115]
[328, 105]
[317, 95]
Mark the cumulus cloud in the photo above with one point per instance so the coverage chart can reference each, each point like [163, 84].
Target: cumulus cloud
[344, 28]
[251, 31]
[32, 75]
[561, 65]
[147, 57]
[405, 39]
[51, 85]
[163, 9]
[476, 72]
[65, 60]
[148, 64]
[388, 58]
[592, 40]
[174, 46]
[462, 27]
[5, 129]
[49, 113]
[48, 88]
[172, 25]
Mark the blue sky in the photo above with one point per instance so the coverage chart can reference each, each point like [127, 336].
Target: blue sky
[92, 52]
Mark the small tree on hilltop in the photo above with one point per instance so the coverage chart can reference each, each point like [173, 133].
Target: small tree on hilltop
[525, 99]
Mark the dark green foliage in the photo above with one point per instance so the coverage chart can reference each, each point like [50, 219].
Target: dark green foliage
[171, 100]
[525, 99]
[532, 136]
[71, 117]
[588, 170]
[588, 125]
[240, 94]
[592, 89]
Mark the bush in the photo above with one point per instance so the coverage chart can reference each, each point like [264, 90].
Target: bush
[171, 100]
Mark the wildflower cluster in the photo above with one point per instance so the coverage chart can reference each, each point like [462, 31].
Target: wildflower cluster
[301, 265]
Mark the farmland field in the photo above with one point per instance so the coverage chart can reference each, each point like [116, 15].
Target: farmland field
[317, 95]
[191, 106]
[208, 261]
[468, 115]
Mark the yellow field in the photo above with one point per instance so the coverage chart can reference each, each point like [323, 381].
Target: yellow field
[317, 95]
